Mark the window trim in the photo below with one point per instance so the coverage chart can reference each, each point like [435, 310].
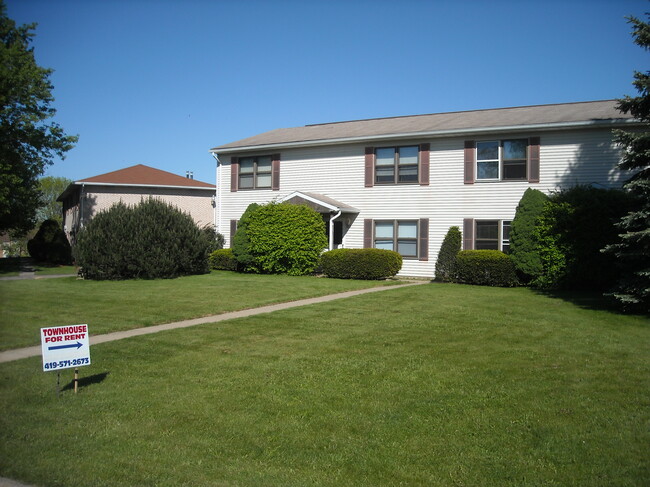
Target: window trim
[395, 240]
[255, 172]
[396, 165]
[501, 162]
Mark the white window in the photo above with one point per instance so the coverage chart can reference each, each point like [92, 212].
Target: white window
[398, 235]
[502, 160]
[255, 172]
[396, 165]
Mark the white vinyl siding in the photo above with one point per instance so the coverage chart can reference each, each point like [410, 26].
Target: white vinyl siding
[337, 171]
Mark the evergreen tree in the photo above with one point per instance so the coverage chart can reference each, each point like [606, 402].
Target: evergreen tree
[523, 246]
[633, 249]
[28, 140]
[446, 262]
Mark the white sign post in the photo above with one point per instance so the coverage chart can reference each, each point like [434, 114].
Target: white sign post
[64, 347]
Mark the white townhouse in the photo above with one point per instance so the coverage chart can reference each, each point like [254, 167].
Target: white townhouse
[399, 183]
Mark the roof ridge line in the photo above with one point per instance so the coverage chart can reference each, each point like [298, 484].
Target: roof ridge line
[456, 111]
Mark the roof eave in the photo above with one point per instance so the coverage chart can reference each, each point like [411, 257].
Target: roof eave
[432, 134]
[71, 187]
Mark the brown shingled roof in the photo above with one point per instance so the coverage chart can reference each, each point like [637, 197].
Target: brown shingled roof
[140, 175]
[567, 114]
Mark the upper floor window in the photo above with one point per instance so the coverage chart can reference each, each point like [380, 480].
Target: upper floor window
[396, 165]
[255, 172]
[398, 235]
[502, 160]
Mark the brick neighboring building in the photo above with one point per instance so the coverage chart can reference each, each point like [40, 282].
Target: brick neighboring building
[83, 199]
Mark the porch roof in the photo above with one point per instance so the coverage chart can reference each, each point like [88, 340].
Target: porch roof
[320, 202]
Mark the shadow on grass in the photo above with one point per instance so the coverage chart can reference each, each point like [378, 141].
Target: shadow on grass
[593, 300]
[86, 381]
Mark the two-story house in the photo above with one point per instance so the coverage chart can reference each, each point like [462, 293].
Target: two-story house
[400, 183]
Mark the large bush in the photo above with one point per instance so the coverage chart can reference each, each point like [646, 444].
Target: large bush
[50, 245]
[573, 227]
[523, 246]
[486, 268]
[149, 240]
[284, 239]
[360, 263]
[446, 262]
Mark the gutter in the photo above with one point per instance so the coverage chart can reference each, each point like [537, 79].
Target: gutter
[136, 185]
[429, 134]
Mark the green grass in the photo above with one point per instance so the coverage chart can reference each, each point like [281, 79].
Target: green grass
[434, 385]
[106, 306]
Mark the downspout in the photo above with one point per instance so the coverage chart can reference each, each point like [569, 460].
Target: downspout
[332, 218]
[217, 196]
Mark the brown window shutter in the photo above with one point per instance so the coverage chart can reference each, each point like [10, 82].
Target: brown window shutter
[468, 234]
[275, 172]
[233, 230]
[370, 167]
[470, 161]
[423, 239]
[234, 174]
[367, 233]
[533, 160]
[424, 164]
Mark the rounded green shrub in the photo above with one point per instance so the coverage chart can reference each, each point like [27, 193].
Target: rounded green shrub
[360, 263]
[149, 240]
[485, 268]
[446, 262]
[50, 245]
[284, 239]
[223, 260]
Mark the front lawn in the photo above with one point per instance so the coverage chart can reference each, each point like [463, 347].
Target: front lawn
[433, 385]
[106, 306]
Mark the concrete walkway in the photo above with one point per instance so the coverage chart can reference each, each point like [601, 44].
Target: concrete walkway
[20, 353]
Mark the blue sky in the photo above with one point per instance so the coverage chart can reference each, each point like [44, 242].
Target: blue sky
[160, 82]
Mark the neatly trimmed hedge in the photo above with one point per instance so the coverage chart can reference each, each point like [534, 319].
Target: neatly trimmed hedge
[446, 262]
[149, 240]
[360, 263]
[486, 268]
[223, 260]
[50, 245]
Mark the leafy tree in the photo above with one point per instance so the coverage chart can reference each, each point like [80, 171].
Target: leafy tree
[633, 249]
[447, 256]
[51, 187]
[29, 140]
[523, 248]
[572, 228]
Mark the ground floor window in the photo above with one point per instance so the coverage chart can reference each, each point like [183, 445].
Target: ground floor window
[398, 235]
[492, 235]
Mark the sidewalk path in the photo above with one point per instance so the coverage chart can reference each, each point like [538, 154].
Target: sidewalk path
[20, 353]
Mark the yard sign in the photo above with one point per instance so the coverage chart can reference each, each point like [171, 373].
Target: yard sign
[65, 347]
